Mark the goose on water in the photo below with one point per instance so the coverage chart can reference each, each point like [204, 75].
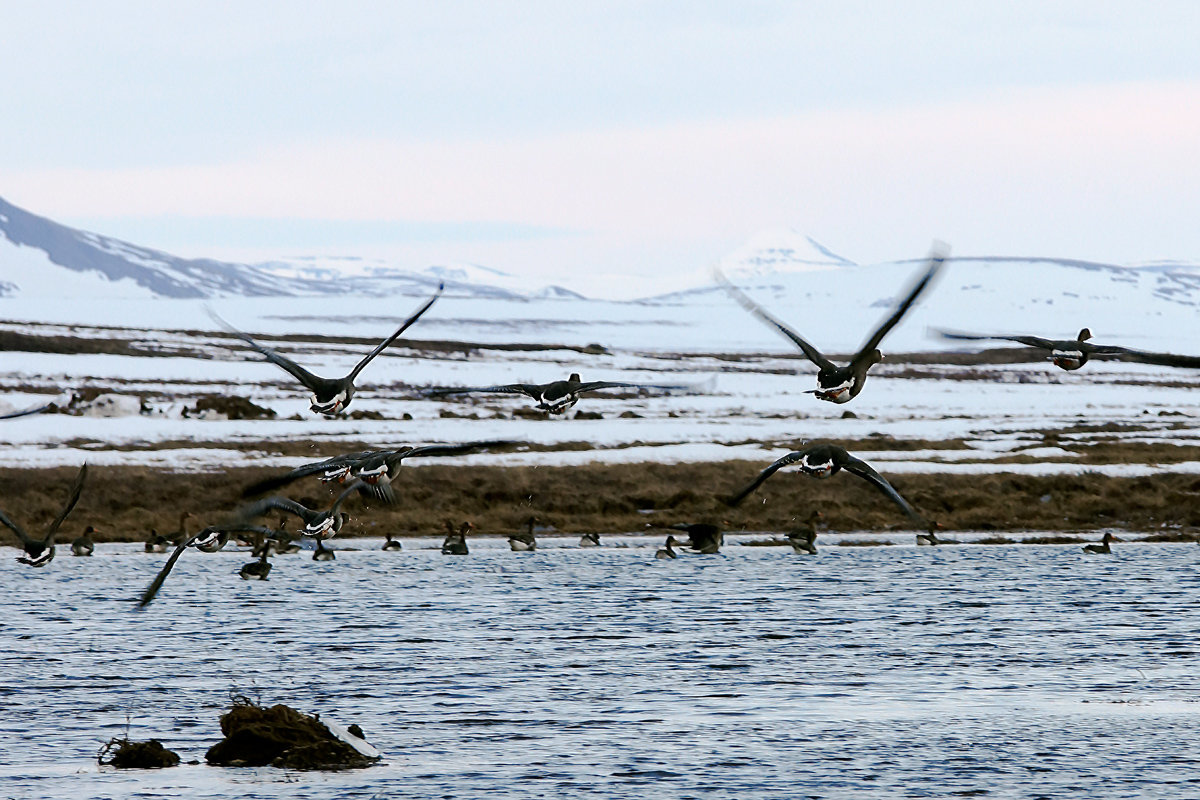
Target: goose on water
[455, 543]
[40, 552]
[329, 395]
[83, 544]
[392, 544]
[842, 384]
[1105, 545]
[209, 540]
[666, 551]
[525, 541]
[804, 538]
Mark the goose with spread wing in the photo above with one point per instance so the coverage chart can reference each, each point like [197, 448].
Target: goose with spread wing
[209, 540]
[374, 469]
[317, 524]
[1071, 354]
[40, 552]
[558, 396]
[329, 395]
[837, 384]
[825, 461]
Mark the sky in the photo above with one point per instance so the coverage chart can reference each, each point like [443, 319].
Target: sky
[615, 147]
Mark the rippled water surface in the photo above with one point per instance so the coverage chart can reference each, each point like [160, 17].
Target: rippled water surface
[1030, 671]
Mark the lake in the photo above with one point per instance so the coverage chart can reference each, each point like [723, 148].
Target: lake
[1014, 671]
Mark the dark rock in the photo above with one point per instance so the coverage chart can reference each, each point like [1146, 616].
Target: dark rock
[368, 414]
[256, 736]
[137, 755]
[849, 415]
[630, 415]
[232, 407]
[588, 415]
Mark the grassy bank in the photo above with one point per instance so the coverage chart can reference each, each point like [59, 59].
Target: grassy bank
[125, 502]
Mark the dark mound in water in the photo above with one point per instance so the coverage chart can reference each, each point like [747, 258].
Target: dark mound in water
[232, 407]
[137, 755]
[281, 736]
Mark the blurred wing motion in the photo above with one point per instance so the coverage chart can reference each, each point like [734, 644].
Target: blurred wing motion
[790, 458]
[811, 353]
[407, 324]
[936, 259]
[863, 470]
[208, 533]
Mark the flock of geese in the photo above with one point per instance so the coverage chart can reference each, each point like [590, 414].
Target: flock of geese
[370, 473]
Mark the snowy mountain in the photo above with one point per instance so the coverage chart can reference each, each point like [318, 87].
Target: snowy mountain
[40, 257]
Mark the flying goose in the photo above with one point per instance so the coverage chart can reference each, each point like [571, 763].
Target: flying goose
[555, 397]
[317, 524]
[1071, 354]
[329, 395]
[40, 552]
[209, 540]
[842, 384]
[702, 537]
[824, 461]
[376, 469]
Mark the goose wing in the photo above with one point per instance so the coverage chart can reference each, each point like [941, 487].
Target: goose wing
[25, 412]
[72, 499]
[452, 449]
[152, 590]
[936, 259]
[407, 323]
[591, 386]
[314, 383]
[17, 529]
[533, 390]
[269, 504]
[790, 458]
[811, 353]
[305, 470]
[1031, 341]
[863, 470]
[1142, 356]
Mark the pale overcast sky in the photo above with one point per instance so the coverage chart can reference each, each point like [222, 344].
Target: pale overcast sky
[584, 143]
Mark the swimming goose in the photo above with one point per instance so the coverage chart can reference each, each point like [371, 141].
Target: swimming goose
[317, 524]
[261, 568]
[824, 461]
[589, 540]
[323, 553]
[40, 552]
[804, 538]
[181, 535]
[83, 544]
[209, 540]
[842, 384]
[285, 543]
[455, 543]
[524, 542]
[1103, 547]
[156, 542]
[555, 397]
[702, 537]
[375, 468]
[666, 551]
[329, 395]
[1071, 354]
[392, 544]
[931, 538]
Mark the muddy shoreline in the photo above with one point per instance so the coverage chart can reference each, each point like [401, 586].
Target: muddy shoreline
[124, 503]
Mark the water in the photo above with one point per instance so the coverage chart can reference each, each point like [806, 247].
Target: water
[1030, 671]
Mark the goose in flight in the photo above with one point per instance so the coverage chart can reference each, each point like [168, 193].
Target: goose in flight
[317, 524]
[1071, 354]
[374, 469]
[40, 552]
[555, 397]
[329, 395]
[842, 384]
[209, 540]
[825, 461]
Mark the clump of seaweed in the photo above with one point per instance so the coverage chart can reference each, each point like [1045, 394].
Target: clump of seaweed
[864, 543]
[124, 754]
[281, 736]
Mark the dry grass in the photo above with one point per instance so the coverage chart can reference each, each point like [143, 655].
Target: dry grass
[125, 502]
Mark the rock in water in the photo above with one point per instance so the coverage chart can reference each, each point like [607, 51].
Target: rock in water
[281, 736]
[137, 755]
